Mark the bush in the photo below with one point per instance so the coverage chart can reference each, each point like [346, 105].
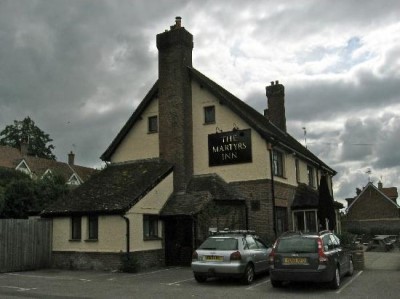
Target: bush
[129, 263]
[347, 239]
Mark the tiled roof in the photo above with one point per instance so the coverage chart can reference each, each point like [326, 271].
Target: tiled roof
[390, 192]
[255, 119]
[201, 190]
[305, 197]
[11, 157]
[113, 190]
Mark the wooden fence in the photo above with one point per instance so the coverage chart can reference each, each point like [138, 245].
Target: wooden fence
[25, 244]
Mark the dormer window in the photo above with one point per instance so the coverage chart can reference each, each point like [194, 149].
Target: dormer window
[153, 124]
[209, 115]
[23, 167]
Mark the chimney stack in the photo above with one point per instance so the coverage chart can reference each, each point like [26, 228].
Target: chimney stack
[175, 101]
[71, 158]
[23, 147]
[276, 105]
[380, 185]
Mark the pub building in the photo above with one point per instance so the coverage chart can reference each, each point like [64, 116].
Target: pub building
[191, 159]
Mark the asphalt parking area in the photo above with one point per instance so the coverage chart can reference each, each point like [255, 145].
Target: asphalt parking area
[179, 283]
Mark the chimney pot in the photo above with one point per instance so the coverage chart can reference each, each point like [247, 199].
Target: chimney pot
[277, 82]
[272, 83]
[178, 21]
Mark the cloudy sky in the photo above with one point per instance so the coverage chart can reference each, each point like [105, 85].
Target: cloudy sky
[79, 69]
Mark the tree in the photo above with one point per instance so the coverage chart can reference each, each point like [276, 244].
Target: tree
[21, 196]
[326, 209]
[26, 131]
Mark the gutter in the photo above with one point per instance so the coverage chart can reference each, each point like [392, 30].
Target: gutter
[270, 148]
[127, 236]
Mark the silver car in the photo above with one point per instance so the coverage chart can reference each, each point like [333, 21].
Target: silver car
[239, 254]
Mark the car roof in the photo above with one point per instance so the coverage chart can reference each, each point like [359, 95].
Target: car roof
[291, 234]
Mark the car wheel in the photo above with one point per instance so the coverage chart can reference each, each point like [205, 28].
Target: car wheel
[200, 278]
[276, 283]
[351, 268]
[335, 283]
[248, 275]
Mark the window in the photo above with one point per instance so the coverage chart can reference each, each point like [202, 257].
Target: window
[209, 115]
[93, 223]
[277, 161]
[153, 124]
[251, 243]
[297, 169]
[76, 231]
[310, 173]
[281, 219]
[150, 226]
[305, 221]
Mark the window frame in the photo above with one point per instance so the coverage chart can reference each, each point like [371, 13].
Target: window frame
[150, 227]
[93, 227]
[304, 219]
[151, 126]
[278, 163]
[209, 118]
[297, 169]
[76, 228]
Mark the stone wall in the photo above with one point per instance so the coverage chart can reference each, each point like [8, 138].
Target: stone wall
[259, 202]
[105, 261]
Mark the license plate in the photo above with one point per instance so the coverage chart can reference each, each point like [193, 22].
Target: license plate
[294, 261]
[214, 258]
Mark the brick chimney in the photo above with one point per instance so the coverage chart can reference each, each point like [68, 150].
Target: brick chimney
[175, 101]
[24, 148]
[71, 158]
[276, 105]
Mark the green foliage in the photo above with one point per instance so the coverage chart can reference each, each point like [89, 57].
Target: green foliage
[27, 131]
[129, 263]
[20, 195]
[347, 239]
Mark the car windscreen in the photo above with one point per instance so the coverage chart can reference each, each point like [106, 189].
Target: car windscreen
[297, 245]
[220, 244]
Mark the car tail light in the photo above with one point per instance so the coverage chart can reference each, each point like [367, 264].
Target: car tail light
[236, 256]
[272, 256]
[321, 254]
[195, 256]
[272, 253]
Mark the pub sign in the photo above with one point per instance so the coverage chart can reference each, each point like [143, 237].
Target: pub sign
[229, 147]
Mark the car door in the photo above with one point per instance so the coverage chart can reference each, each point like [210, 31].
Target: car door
[343, 256]
[330, 251]
[254, 253]
[264, 252]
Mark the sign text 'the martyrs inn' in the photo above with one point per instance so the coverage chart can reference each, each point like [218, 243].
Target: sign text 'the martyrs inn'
[229, 147]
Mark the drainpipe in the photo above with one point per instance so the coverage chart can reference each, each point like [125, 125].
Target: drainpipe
[272, 190]
[127, 236]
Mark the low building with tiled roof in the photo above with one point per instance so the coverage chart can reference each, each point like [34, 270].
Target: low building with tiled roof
[230, 167]
[37, 168]
[374, 210]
